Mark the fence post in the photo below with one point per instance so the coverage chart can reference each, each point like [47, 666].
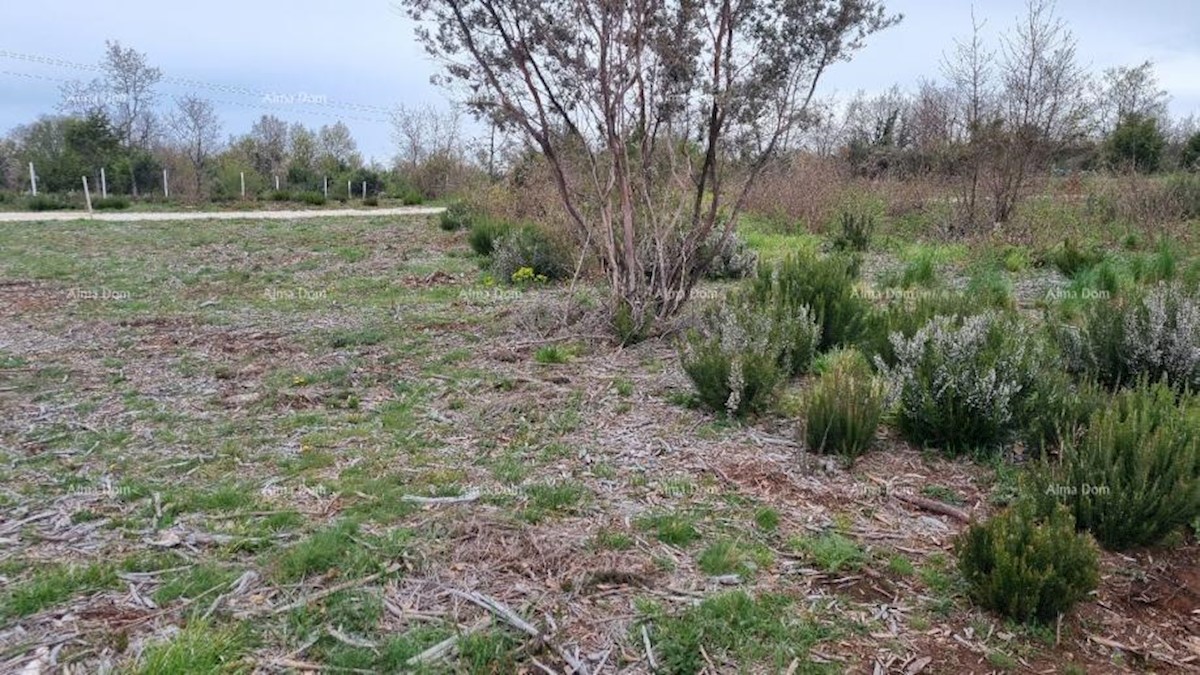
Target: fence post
[33, 179]
[166, 186]
[326, 187]
[243, 185]
[103, 184]
[364, 189]
[277, 183]
[87, 194]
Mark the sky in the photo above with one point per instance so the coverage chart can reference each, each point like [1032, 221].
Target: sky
[316, 62]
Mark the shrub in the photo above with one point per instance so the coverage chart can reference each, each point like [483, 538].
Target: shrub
[843, 409]
[312, 198]
[730, 258]
[1183, 192]
[484, 233]
[371, 201]
[961, 383]
[530, 248]
[280, 196]
[1189, 158]
[899, 316]
[457, 216]
[1056, 409]
[1071, 260]
[1135, 476]
[110, 203]
[411, 197]
[856, 231]
[734, 360]
[1154, 333]
[825, 285]
[45, 203]
[1026, 569]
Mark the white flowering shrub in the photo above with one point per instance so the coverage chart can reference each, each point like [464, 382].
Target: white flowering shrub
[1154, 334]
[961, 383]
[741, 354]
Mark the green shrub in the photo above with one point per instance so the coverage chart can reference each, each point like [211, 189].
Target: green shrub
[110, 203]
[1184, 193]
[46, 203]
[530, 248]
[843, 409]
[484, 233]
[734, 359]
[1057, 408]
[1153, 333]
[1071, 260]
[312, 198]
[904, 317]
[825, 285]
[729, 258]
[371, 201]
[457, 216]
[1028, 569]
[280, 196]
[411, 197]
[1134, 477]
[857, 227]
[961, 384]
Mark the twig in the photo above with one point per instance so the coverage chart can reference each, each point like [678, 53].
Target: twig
[511, 618]
[649, 648]
[353, 583]
[449, 645]
[934, 506]
[467, 497]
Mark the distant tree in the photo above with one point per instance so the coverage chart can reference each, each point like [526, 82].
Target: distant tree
[1125, 92]
[1189, 159]
[337, 151]
[654, 117]
[302, 157]
[197, 129]
[971, 72]
[267, 143]
[1136, 143]
[125, 94]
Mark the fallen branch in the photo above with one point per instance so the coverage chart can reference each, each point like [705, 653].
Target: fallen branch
[934, 506]
[467, 497]
[513, 619]
[448, 646]
[308, 599]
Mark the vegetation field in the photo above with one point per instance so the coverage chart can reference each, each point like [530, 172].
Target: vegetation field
[337, 445]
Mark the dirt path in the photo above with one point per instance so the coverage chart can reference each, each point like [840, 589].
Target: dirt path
[33, 217]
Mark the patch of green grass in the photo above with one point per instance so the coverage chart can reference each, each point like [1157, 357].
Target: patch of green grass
[676, 529]
[942, 494]
[552, 354]
[623, 387]
[200, 647]
[363, 337]
[341, 546]
[489, 652]
[900, 566]
[831, 551]
[730, 556]
[766, 519]
[50, 586]
[546, 499]
[613, 540]
[763, 630]
[198, 581]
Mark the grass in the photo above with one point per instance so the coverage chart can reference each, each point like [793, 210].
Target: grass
[271, 392]
[766, 630]
[831, 551]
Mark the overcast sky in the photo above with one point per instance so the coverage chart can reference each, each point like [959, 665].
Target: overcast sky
[361, 60]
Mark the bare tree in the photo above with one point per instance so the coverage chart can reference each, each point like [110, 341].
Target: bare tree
[337, 148]
[1044, 103]
[970, 70]
[1126, 91]
[130, 81]
[197, 128]
[654, 116]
